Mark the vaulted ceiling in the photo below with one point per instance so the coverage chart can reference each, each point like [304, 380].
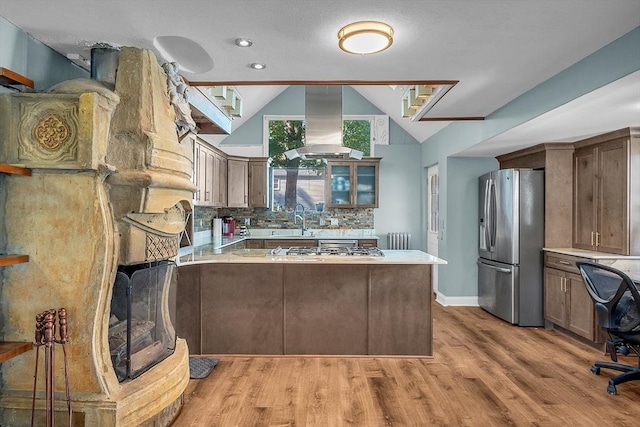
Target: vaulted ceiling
[497, 50]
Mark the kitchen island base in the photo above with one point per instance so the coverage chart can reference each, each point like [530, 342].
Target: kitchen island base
[306, 308]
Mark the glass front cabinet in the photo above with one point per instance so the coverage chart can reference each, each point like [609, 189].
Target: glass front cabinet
[352, 183]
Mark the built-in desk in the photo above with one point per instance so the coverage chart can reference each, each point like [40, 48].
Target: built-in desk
[567, 304]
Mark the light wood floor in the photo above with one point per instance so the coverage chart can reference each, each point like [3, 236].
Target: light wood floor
[485, 372]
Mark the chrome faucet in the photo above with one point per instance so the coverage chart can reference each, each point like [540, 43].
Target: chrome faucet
[302, 217]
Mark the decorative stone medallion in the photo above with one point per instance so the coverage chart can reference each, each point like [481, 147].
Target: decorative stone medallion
[48, 131]
[51, 132]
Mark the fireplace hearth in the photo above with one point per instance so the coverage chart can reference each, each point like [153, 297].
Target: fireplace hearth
[102, 212]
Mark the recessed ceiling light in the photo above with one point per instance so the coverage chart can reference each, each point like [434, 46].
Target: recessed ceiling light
[242, 42]
[258, 66]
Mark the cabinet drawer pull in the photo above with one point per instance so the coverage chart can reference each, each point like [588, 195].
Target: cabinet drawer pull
[592, 239]
[597, 238]
[564, 262]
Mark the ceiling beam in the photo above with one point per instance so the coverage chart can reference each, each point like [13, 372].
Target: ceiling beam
[325, 82]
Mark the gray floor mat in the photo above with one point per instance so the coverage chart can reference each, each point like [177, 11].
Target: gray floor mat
[201, 367]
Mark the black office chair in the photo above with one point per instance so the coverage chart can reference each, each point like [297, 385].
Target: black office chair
[617, 306]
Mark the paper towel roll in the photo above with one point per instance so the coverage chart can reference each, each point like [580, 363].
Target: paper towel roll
[217, 227]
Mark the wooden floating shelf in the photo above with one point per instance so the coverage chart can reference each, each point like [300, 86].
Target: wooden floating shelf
[6, 260]
[15, 170]
[11, 78]
[9, 350]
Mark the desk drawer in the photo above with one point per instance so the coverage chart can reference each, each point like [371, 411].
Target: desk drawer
[562, 262]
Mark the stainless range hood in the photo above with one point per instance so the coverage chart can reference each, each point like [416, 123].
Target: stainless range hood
[323, 126]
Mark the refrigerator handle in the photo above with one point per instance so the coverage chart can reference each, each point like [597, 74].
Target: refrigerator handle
[487, 235]
[492, 214]
[498, 269]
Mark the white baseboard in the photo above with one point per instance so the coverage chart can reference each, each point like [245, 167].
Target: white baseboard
[471, 301]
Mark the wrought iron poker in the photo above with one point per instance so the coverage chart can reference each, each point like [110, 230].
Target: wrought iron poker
[45, 336]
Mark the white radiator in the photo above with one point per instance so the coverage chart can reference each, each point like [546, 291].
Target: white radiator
[398, 240]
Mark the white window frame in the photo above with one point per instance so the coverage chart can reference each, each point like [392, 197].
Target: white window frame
[371, 118]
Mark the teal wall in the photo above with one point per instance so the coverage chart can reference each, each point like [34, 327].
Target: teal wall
[291, 102]
[21, 53]
[400, 172]
[458, 176]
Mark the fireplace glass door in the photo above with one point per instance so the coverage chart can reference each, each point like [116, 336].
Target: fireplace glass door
[141, 333]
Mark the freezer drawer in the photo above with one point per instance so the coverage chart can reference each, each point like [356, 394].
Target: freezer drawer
[497, 290]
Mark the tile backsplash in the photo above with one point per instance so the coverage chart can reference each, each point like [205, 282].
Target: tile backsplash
[357, 218]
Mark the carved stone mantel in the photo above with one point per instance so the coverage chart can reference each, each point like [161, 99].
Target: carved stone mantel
[103, 163]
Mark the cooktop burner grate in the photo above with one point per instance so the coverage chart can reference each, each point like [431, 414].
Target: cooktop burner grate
[333, 251]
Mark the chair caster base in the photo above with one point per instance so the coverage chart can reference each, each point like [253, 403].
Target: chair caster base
[595, 370]
[611, 389]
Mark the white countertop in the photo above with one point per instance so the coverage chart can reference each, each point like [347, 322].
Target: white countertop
[628, 264]
[211, 254]
[590, 254]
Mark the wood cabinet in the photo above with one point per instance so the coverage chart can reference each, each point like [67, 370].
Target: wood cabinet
[237, 183]
[258, 182]
[304, 308]
[210, 176]
[242, 309]
[229, 181]
[287, 243]
[567, 303]
[352, 184]
[255, 244]
[367, 243]
[219, 187]
[203, 160]
[606, 207]
[557, 161]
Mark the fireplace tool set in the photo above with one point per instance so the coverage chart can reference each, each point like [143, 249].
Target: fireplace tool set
[45, 336]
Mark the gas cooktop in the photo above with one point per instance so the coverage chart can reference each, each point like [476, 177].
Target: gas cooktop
[339, 251]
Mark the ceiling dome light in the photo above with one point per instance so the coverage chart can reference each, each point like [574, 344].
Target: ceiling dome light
[258, 66]
[242, 42]
[365, 37]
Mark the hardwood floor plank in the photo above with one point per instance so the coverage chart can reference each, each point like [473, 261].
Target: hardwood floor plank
[485, 372]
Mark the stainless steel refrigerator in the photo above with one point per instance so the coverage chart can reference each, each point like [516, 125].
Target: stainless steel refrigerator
[510, 263]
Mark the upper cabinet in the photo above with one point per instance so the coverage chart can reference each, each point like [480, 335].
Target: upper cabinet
[229, 181]
[210, 176]
[606, 207]
[258, 181]
[237, 182]
[352, 184]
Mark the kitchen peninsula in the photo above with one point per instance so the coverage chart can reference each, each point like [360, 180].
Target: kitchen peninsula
[260, 301]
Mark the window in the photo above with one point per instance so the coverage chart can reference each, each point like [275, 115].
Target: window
[302, 181]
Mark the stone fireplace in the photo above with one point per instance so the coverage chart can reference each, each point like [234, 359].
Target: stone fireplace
[109, 193]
